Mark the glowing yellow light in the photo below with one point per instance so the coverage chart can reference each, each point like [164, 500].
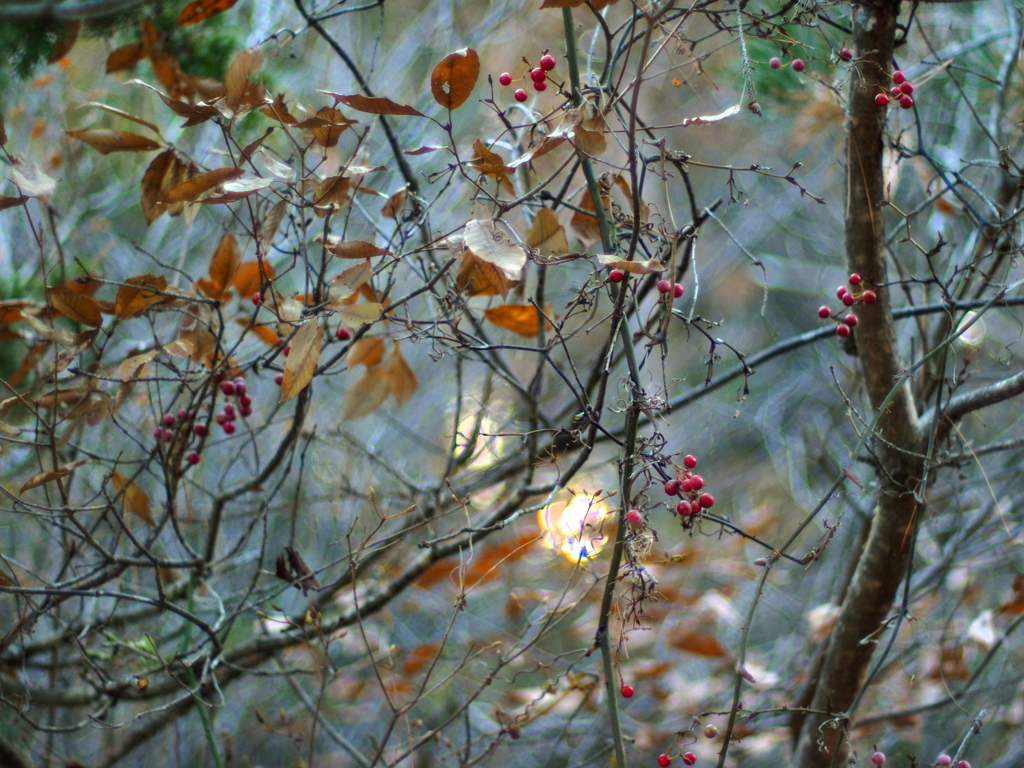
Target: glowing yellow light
[575, 529]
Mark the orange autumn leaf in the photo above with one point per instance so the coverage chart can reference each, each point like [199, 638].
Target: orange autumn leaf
[222, 270]
[402, 381]
[133, 498]
[188, 191]
[125, 57]
[138, 294]
[75, 306]
[368, 351]
[696, 642]
[248, 280]
[200, 10]
[478, 278]
[523, 319]
[356, 249]
[366, 394]
[453, 78]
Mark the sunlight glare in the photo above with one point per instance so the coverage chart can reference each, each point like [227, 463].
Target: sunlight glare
[575, 529]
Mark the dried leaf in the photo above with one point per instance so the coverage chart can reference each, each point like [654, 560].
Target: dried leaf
[331, 123]
[585, 224]
[232, 191]
[222, 270]
[200, 10]
[542, 147]
[561, 3]
[393, 206]
[194, 113]
[546, 234]
[74, 306]
[356, 249]
[403, 381]
[374, 105]
[248, 280]
[493, 246]
[303, 573]
[137, 295]
[189, 190]
[130, 366]
[125, 57]
[300, 365]
[31, 181]
[120, 113]
[453, 78]
[523, 319]
[1015, 604]
[424, 150]
[333, 192]
[478, 278]
[489, 163]
[696, 642]
[41, 478]
[589, 136]
[271, 223]
[366, 394]
[152, 185]
[348, 282]
[135, 500]
[638, 267]
[359, 314]
[12, 202]
[241, 93]
[196, 337]
[368, 351]
[278, 110]
[105, 140]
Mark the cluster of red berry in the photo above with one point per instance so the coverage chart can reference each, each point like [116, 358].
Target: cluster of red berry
[538, 76]
[689, 486]
[900, 92]
[226, 418]
[799, 65]
[688, 759]
[849, 299]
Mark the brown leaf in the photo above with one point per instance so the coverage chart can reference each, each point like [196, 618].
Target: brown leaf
[200, 10]
[490, 244]
[696, 642]
[194, 113]
[330, 124]
[241, 94]
[134, 499]
[231, 191]
[546, 234]
[300, 365]
[366, 394]
[3, 131]
[130, 366]
[196, 339]
[356, 249]
[41, 478]
[271, 222]
[589, 136]
[424, 150]
[189, 190]
[585, 224]
[348, 282]
[278, 110]
[478, 278]
[489, 163]
[403, 381]
[133, 298]
[303, 573]
[105, 140]
[332, 192]
[453, 78]
[125, 57]
[222, 270]
[12, 202]
[561, 3]
[169, 74]
[152, 185]
[638, 267]
[523, 319]
[68, 35]
[393, 206]
[74, 306]
[374, 105]
[120, 113]
[542, 147]
[1015, 604]
[368, 351]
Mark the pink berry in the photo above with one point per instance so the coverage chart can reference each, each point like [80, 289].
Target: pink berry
[256, 299]
[898, 77]
[199, 429]
[677, 290]
[841, 291]
[541, 86]
[843, 330]
[696, 482]
[521, 95]
[633, 517]
[664, 761]
[626, 691]
[168, 419]
[343, 334]
[850, 320]
[855, 279]
[906, 102]
[664, 286]
[193, 458]
[538, 75]
[689, 461]
[547, 62]
[882, 100]
[824, 312]
[845, 54]
[671, 487]
[279, 379]
[963, 764]
[878, 758]
[505, 78]
[228, 388]
[943, 760]
[907, 87]
[229, 427]
[869, 297]
[775, 62]
[798, 65]
[706, 501]
[616, 276]
[848, 299]
[689, 758]
[683, 508]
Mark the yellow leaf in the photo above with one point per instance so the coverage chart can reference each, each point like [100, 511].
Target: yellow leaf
[348, 282]
[359, 314]
[300, 365]
[131, 365]
[366, 394]
[368, 351]
[523, 319]
[41, 478]
[546, 234]
[137, 295]
[105, 141]
[453, 78]
[134, 499]
[75, 306]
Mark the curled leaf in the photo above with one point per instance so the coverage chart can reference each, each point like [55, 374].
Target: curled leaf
[402, 381]
[375, 105]
[242, 94]
[546, 234]
[105, 141]
[348, 282]
[188, 191]
[222, 269]
[490, 244]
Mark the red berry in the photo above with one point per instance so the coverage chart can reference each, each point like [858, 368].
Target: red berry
[505, 78]
[689, 461]
[906, 102]
[878, 758]
[850, 320]
[882, 100]
[626, 691]
[907, 87]
[287, 349]
[229, 410]
[671, 487]
[689, 758]
[664, 286]
[616, 276]
[633, 517]
[240, 388]
[521, 95]
[845, 54]
[279, 379]
[841, 291]
[158, 433]
[222, 418]
[229, 427]
[256, 299]
[245, 401]
[898, 77]
[677, 290]
[963, 764]
[343, 334]
[798, 65]
[193, 458]
[228, 388]
[664, 761]
[824, 312]
[694, 508]
[541, 86]
[246, 410]
[843, 330]
[168, 435]
[547, 62]
[855, 279]
[183, 415]
[686, 486]
[168, 419]
[895, 92]
[199, 429]
[869, 297]
[706, 500]
[538, 75]
[696, 482]
[848, 299]
[775, 62]
[683, 508]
